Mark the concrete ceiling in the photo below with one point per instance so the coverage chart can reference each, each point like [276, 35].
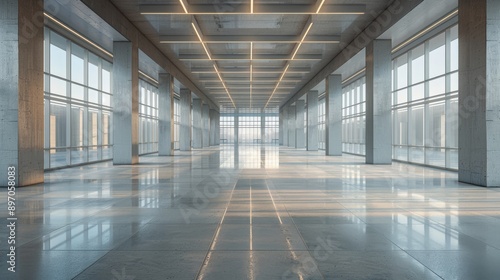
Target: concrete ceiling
[244, 59]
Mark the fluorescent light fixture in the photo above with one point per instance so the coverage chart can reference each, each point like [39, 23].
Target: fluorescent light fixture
[77, 34]
[201, 40]
[302, 40]
[251, 50]
[251, 6]
[405, 43]
[320, 6]
[184, 6]
[251, 73]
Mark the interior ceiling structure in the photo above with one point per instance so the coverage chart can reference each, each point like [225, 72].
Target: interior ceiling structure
[252, 53]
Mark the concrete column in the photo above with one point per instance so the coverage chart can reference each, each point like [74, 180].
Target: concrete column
[126, 100]
[281, 127]
[333, 108]
[205, 125]
[300, 135]
[479, 99]
[291, 126]
[212, 115]
[378, 102]
[236, 127]
[21, 97]
[217, 127]
[166, 115]
[312, 121]
[263, 126]
[185, 122]
[285, 126]
[197, 124]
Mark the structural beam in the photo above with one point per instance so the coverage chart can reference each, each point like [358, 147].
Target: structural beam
[224, 39]
[262, 9]
[395, 12]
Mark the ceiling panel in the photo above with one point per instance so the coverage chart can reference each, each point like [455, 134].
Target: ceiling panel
[258, 54]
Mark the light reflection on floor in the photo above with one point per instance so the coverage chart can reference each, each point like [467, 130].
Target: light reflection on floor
[254, 212]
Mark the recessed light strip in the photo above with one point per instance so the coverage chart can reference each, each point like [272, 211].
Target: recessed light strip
[224, 85]
[277, 85]
[77, 34]
[183, 6]
[201, 40]
[320, 6]
[302, 40]
[405, 43]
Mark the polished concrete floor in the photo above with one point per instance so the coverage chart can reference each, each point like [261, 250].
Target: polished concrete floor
[254, 213]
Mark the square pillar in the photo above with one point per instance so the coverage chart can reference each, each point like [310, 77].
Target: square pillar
[166, 115]
[263, 126]
[300, 134]
[291, 126]
[333, 111]
[197, 124]
[312, 142]
[217, 128]
[479, 99]
[378, 102]
[236, 127]
[21, 98]
[212, 115]
[281, 127]
[285, 126]
[185, 122]
[126, 103]
[205, 125]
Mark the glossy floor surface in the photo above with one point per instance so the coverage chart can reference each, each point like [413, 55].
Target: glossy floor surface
[254, 213]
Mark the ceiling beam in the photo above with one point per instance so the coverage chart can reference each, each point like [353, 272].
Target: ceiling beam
[225, 39]
[395, 12]
[247, 57]
[263, 9]
[115, 18]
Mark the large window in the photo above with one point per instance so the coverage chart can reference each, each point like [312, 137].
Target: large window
[354, 117]
[148, 118]
[425, 102]
[78, 101]
[249, 123]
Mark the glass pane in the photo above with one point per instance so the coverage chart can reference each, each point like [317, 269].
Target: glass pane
[454, 82]
[416, 126]
[77, 92]
[454, 48]
[93, 96]
[418, 92]
[418, 65]
[437, 56]
[58, 58]
[77, 64]
[57, 124]
[106, 100]
[437, 86]
[77, 129]
[57, 86]
[78, 155]
[436, 125]
[93, 128]
[402, 68]
[93, 71]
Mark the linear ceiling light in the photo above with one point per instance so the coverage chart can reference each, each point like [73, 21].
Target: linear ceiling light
[320, 5]
[201, 40]
[224, 85]
[302, 40]
[405, 43]
[277, 85]
[251, 6]
[184, 6]
[77, 34]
